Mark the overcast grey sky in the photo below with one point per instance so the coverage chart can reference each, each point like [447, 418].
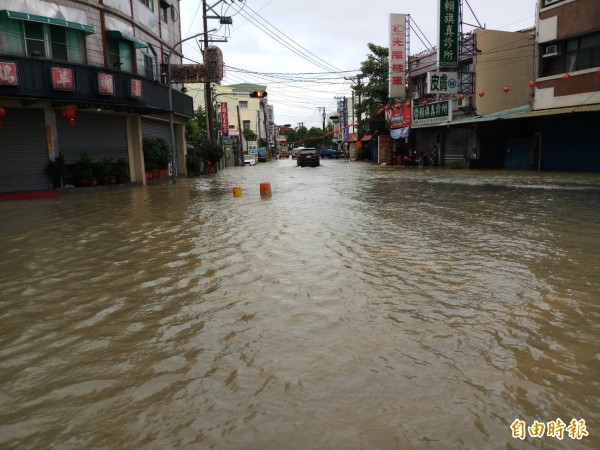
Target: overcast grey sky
[302, 50]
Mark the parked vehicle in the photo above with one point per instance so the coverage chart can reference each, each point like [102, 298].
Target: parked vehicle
[284, 153]
[262, 154]
[249, 160]
[308, 156]
[328, 152]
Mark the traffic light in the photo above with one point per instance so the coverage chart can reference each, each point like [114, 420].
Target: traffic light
[258, 94]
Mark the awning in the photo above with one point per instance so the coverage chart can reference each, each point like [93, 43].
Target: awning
[15, 15]
[366, 137]
[114, 34]
[558, 111]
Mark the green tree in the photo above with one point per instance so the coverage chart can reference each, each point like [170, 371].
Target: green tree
[292, 136]
[202, 149]
[195, 128]
[314, 136]
[375, 93]
[249, 135]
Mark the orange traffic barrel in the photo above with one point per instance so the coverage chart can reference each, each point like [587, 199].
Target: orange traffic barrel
[265, 189]
[237, 191]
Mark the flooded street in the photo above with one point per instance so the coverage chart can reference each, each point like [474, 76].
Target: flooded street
[360, 307]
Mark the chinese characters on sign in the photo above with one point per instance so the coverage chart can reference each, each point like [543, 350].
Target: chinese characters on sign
[432, 113]
[442, 82]
[136, 88]
[62, 79]
[8, 74]
[448, 33]
[397, 55]
[105, 84]
[209, 72]
[385, 146]
[224, 120]
[213, 60]
[555, 428]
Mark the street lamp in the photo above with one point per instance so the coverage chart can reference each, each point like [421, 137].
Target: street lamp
[171, 131]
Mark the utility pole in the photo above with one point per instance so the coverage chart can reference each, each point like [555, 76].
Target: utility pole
[322, 108]
[355, 87]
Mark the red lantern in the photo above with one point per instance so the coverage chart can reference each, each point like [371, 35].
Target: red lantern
[2, 114]
[506, 89]
[425, 103]
[532, 84]
[461, 96]
[481, 93]
[566, 77]
[68, 112]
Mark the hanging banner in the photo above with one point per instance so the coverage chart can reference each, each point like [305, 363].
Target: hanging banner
[224, 120]
[397, 56]
[448, 16]
[398, 116]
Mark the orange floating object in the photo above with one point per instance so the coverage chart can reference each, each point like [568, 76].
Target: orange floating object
[265, 189]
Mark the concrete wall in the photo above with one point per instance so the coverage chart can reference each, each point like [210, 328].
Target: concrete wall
[504, 59]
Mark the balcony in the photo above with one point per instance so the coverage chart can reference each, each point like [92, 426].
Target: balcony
[35, 83]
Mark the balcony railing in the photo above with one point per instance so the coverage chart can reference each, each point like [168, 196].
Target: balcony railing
[35, 82]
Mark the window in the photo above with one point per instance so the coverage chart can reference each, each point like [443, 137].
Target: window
[575, 54]
[246, 125]
[149, 4]
[119, 54]
[43, 41]
[243, 104]
[150, 63]
[551, 2]
[164, 11]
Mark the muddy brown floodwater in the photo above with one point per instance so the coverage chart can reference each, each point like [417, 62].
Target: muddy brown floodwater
[360, 307]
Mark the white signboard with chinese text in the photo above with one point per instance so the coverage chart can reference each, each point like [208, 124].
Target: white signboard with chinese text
[397, 55]
[442, 82]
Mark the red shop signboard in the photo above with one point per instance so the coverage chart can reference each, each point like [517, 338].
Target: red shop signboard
[8, 74]
[62, 79]
[105, 84]
[136, 88]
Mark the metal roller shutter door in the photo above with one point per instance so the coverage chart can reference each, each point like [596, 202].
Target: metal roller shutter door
[156, 128]
[24, 151]
[571, 143]
[99, 135]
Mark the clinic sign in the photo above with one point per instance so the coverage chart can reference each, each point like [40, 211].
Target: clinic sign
[442, 82]
[397, 56]
[434, 112]
[448, 33]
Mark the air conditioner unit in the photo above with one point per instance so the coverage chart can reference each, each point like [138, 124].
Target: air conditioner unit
[551, 50]
[464, 102]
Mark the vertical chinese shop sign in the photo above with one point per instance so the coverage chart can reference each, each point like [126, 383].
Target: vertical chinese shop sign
[224, 120]
[397, 55]
[448, 33]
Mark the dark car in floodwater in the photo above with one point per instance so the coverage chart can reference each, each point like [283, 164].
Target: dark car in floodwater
[308, 156]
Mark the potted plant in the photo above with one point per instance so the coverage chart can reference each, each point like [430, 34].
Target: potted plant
[121, 168]
[84, 170]
[104, 171]
[57, 168]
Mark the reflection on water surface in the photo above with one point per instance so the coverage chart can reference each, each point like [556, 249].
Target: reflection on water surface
[359, 307]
